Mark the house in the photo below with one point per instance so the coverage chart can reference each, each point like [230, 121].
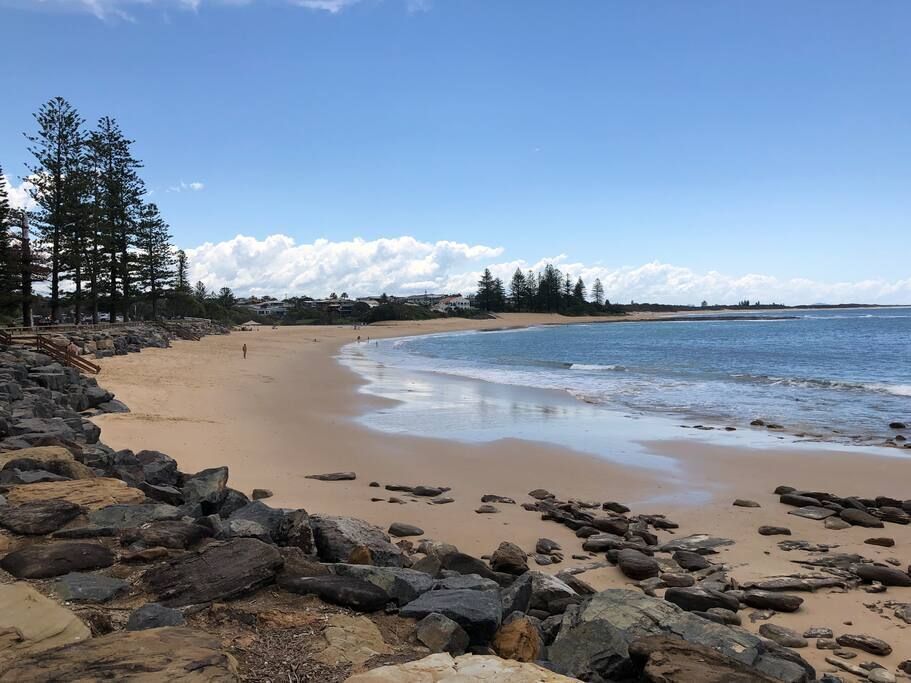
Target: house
[269, 309]
[449, 304]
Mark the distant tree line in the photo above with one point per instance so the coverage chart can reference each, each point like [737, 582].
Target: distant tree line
[93, 237]
[547, 291]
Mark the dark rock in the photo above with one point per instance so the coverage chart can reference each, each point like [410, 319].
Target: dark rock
[260, 494]
[158, 468]
[442, 634]
[780, 602]
[691, 561]
[611, 525]
[541, 494]
[162, 493]
[781, 490]
[55, 559]
[466, 564]
[336, 538]
[345, 591]
[478, 612]
[814, 512]
[487, 510]
[466, 581]
[884, 542]
[783, 636]
[797, 500]
[509, 559]
[897, 425]
[743, 503]
[677, 580]
[595, 638]
[428, 491]
[128, 516]
[874, 646]
[818, 632]
[39, 517]
[774, 531]
[401, 530]
[667, 659]
[270, 519]
[888, 576]
[613, 506]
[78, 587]
[697, 599]
[636, 565]
[169, 534]
[493, 498]
[153, 615]
[723, 616]
[401, 585]
[334, 476]
[836, 524]
[208, 488]
[697, 543]
[86, 532]
[546, 546]
[860, 518]
[217, 572]
[233, 501]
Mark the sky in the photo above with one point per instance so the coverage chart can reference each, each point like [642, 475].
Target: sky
[679, 151]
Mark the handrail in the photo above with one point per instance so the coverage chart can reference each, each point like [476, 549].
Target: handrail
[5, 339]
[47, 347]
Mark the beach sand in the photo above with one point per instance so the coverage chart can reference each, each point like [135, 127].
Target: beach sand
[285, 412]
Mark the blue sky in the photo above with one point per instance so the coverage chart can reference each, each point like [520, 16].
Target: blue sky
[756, 138]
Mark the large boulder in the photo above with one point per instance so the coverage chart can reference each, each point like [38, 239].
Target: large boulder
[176, 534]
[669, 659]
[54, 559]
[153, 615]
[443, 668]
[509, 559]
[478, 612]
[637, 565]
[346, 591]
[697, 599]
[538, 591]
[442, 634]
[39, 517]
[129, 516]
[217, 572]
[593, 643]
[887, 576]
[336, 538]
[31, 623]
[402, 585]
[161, 654]
[519, 639]
[207, 488]
[158, 468]
[88, 493]
[85, 587]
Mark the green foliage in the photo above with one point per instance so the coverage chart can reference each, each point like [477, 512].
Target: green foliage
[399, 312]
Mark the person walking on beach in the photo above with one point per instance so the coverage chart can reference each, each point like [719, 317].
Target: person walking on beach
[245, 350]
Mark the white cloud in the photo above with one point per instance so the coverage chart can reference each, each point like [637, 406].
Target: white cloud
[19, 197]
[112, 10]
[277, 265]
[195, 186]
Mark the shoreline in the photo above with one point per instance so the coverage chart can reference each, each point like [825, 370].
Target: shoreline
[290, 410]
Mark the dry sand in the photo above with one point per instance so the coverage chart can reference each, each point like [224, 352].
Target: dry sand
[284, 413]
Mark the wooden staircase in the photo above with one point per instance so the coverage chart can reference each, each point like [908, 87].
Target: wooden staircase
[47, 347]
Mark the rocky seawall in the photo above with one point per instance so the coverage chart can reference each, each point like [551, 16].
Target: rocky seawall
[116, 565]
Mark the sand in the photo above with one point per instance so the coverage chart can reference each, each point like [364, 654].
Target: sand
[285, 412]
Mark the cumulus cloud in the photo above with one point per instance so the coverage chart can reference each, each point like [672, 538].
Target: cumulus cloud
[19, 197]
[279, 266]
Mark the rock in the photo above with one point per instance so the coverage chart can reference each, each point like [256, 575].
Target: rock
[836, 524]
[177, 535]
[798, 500]
[697, 599]
[487, 510]
[636, 565]
[31, 623]
[270, 519]
[166, 654]
[860, 518]
[259, 494]
[509, 558]
[667, 659]
[743, 503]
[466, 564]
[874, 646]
[334, 476]
[158, 469]
[337, 537]
[444, 669]
[537, 591]
[401, 585]
[696, 543]
[478, 612]
[541, 494]
[345, 591]
[780, 602]
[594, 641]
[55, 559]
[817, 632]
[428, 491]
[691, 561]
[207, 488]
[794, 584]
[233, 501]
[78, 587]
[298, 533]
[442, 634]
[888, 576]
[814, 512]
[575, 583]
[217, 572]
[88, 493]
[153, 615]
[881, 541]
[401, 530]
[783, 636]
[774, 531]
[897, 425]
[38, 517]
[492, 498]
[880, 675]
[613, 506]
[678, 580]
[352, 640]
[546, 546]
[724, 616]
[826, 644]
[519, 639]
[128, 516]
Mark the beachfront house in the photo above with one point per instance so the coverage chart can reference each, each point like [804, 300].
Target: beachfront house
[453, 304]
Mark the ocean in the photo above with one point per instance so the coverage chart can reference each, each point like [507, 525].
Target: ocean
[839, 376]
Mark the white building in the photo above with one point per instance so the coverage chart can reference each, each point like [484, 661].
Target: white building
[450, 304]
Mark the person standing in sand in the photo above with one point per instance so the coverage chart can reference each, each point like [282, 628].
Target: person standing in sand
[245, 351]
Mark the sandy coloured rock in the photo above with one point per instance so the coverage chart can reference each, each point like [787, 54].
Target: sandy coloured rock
[92, 494]
[442, 668]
